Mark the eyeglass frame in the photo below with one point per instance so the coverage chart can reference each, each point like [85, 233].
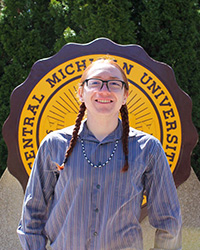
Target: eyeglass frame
[104, 81]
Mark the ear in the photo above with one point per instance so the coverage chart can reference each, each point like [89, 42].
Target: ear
[80, 93]
[125, 97]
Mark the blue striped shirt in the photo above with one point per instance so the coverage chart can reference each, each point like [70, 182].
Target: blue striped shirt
[87, 208]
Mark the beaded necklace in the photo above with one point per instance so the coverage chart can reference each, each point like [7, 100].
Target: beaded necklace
[101, 165]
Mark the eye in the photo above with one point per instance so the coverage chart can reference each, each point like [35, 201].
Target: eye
[115, 84]
[94, 82]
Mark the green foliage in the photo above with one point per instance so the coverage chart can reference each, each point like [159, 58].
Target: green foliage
[167, 30]
[89, 19]
[59, 12]
[26, 35]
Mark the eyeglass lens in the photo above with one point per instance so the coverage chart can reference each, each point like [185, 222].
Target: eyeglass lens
[111, 84]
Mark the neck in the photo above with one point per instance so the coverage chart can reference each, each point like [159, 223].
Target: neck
[102, 127]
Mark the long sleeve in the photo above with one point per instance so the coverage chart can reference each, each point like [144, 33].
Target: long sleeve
[37, 201]
[162, 201]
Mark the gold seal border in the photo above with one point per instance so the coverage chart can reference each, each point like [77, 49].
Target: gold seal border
[28, 125]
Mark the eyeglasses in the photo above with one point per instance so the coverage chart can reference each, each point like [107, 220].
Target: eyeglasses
[112, 85]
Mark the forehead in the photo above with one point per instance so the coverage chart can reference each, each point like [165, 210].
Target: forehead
[104, 70]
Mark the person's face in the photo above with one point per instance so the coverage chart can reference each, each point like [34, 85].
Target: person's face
[102, 101]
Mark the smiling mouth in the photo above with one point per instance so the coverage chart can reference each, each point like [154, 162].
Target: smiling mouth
[103, 101]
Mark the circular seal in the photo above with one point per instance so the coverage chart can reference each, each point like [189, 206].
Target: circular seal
[48, 101]
[53, 104]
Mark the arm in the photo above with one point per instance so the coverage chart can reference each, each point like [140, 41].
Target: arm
[162, 202]
[37, 201]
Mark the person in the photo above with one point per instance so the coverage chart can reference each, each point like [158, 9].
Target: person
[86, 187]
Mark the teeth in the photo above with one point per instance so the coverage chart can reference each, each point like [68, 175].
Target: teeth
[104, 101]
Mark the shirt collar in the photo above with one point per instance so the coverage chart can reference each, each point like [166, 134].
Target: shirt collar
[86, 134]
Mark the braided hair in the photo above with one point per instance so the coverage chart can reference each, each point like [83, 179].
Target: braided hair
[74, 134]
[125, 133]
[123, 112]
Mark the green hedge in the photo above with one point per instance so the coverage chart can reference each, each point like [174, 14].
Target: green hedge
[167, 30]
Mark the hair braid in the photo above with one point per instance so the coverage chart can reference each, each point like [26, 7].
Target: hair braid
[74, 134]
[125, 124]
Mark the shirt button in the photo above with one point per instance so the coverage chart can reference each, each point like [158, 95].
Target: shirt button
[95, 233]
[98, 186]
[96, 210]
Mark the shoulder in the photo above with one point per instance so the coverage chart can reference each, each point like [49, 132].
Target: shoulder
[62, 135]
[134, 133]
[57, 136]
[144, 139]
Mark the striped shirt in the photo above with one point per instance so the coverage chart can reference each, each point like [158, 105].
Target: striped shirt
[87, 208]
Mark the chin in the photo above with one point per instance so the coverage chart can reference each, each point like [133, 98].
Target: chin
[106, 112]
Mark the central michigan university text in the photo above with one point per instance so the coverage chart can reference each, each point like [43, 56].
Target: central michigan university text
[146, 81]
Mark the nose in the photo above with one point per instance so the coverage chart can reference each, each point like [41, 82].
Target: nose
[104, 87]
